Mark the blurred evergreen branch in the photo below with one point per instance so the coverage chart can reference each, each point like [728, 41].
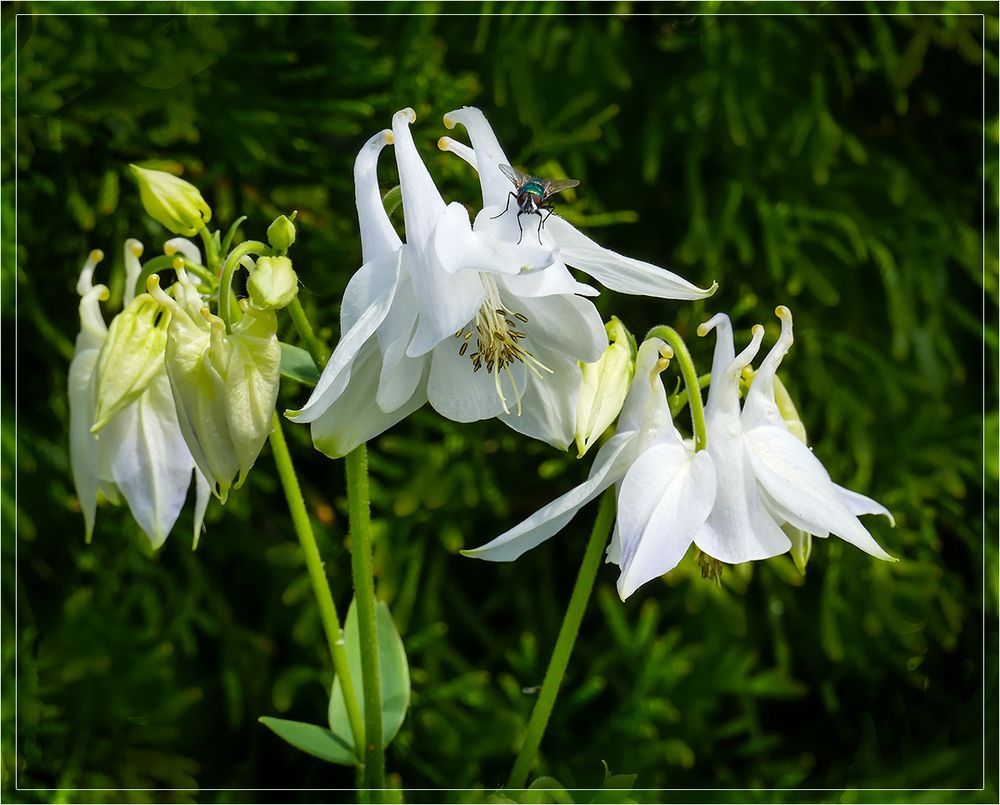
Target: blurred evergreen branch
[831, 163]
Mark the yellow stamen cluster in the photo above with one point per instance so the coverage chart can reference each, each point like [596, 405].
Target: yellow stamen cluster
[498, 342]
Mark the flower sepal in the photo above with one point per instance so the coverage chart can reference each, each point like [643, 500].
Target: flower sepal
[130, 357]
[604, 385]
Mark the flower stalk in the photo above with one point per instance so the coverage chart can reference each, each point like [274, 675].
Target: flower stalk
[356, 466]
[691, 380]
[564, 642]
[317, 575]
[227, 302]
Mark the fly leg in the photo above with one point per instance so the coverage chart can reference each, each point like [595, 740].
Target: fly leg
[519, 227]
[541, 222]
[509, 196]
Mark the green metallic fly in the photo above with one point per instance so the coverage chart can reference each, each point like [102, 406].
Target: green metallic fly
[531, 195]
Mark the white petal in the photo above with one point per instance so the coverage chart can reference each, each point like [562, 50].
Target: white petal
[617, 272]
[374, 284]
[739, 529]
[613, 554]
[520, 231]
[422, 202]
[489, 154]
[463, 395]
[202, 495]
[447, 302]
[461, 150]
[150, 461]
[645, 408]
[84, 448]
[760, 407]
[665, 498]
[186, 247]
[378, 285]
[353, 418]
[549, 281]
[858, 504]
[400, 373]
[378, 237]
[460, 249]
[564, 323]
[133, 269]
[724, 393]
[800, 489]
[609, 465]
[548, 407]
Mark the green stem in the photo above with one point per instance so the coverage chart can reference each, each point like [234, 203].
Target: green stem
[356, 464]
[315, 347]
[227, 304]
[320, 583]
[564, 642]
[691, 382]
[211, 251]
[679, 400]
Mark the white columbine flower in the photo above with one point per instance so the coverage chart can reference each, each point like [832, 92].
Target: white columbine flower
[666, 491]
[767, 477]
[475, 325]
[140, 452]
[732, 500]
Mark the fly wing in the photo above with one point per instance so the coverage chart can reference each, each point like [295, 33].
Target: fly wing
[558, 185]
[519, 179]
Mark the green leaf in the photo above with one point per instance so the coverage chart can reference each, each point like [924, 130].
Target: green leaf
[546, 789]
[312, 739]
[394, 672]
[298, 364]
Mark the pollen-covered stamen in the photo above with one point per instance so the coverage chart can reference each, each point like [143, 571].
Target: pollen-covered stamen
[499, 334]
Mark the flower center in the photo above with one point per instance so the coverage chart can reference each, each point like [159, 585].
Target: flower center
[498, 341]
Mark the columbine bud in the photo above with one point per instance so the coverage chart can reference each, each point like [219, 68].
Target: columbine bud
[224, 384]
[272, 284]
[603, 386]
[170, 200]
[802, 542]
[788, 411]
[130, 356]
[281, 233]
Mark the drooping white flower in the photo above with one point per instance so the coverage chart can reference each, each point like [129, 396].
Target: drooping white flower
[666, 488]
[732, 500]
[572, 248]
[478, 327]
[766, 476]
[140, 453]
[224, 384]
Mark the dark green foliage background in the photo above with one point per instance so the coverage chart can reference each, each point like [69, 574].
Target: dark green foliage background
[830, 163]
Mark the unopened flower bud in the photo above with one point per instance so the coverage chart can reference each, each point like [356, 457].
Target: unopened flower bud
[604, 385]
[281, 233]
[176, 204]
[788, 411]
[801, 546]
[130, 357]
[272, 284]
